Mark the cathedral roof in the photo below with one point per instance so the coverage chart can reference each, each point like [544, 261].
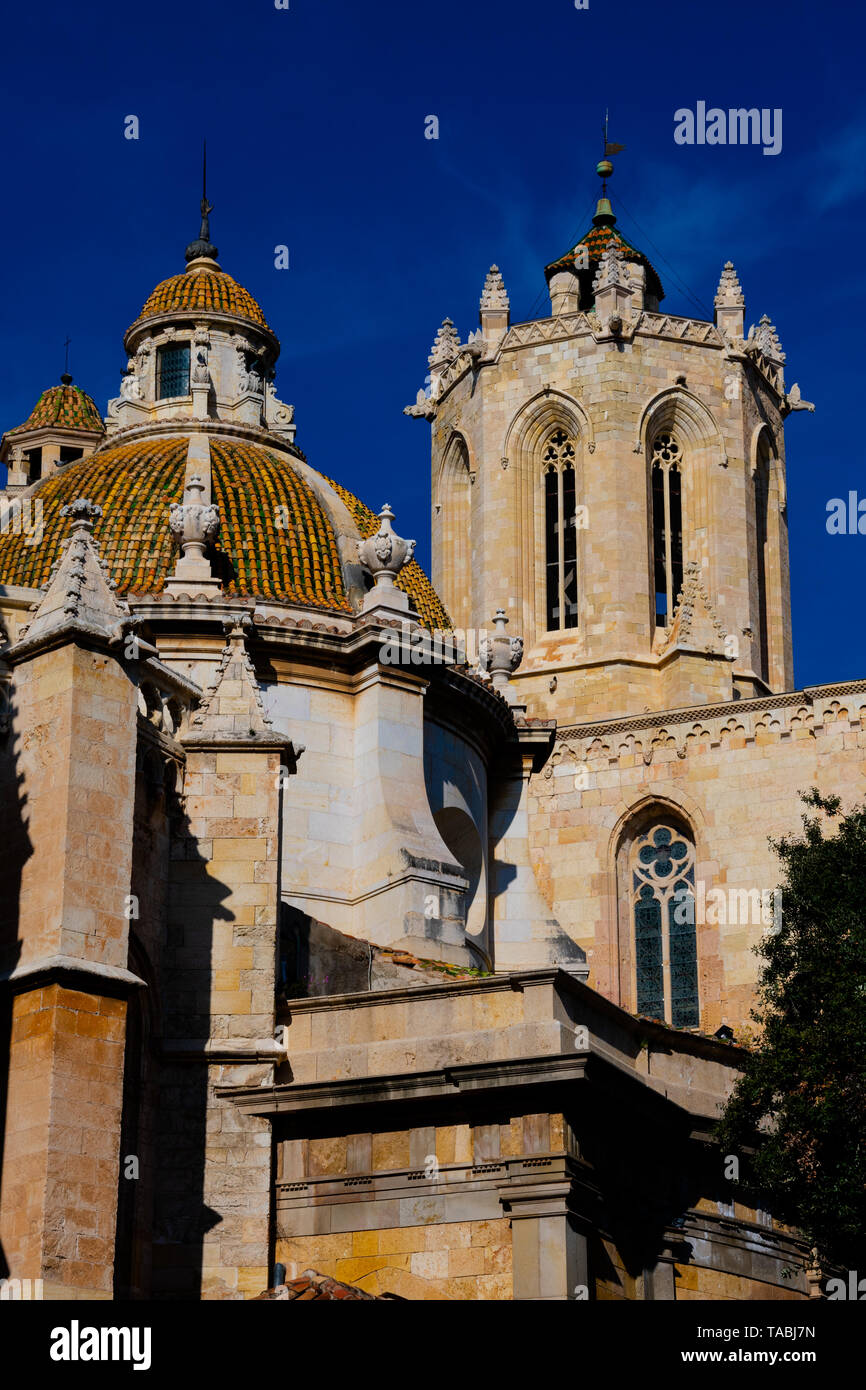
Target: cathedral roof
[63, 407]
[596, 242]
[203, 288]
[277, 541]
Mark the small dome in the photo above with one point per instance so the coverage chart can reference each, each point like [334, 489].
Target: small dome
[203, 289]
[64, 407]
[296, 562]
[596, 240]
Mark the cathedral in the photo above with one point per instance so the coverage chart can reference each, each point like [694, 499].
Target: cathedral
[383, 935]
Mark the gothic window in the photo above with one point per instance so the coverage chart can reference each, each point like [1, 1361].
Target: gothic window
[662, 878]
[667, 525]
[560, 527]
[172, 370]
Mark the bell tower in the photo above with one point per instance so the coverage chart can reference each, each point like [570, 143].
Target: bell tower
[613, 476]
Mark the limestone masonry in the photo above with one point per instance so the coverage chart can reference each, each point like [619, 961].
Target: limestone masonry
[320, 947]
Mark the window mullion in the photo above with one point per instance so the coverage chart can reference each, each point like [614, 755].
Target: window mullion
[669, 569]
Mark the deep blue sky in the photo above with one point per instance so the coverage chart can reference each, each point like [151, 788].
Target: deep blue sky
[315, 125]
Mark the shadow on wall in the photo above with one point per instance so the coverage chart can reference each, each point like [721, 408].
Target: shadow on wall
[181, 1217]
[537, 929]
[17, 849]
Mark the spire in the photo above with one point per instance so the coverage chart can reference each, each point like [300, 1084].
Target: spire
[494, 294]
[730, 292]
[695, 623]
[80, 595]
[766, 339]
[232, 707]
[204, 246]
[446, 346]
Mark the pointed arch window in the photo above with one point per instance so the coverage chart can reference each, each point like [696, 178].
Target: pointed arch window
[667, 505]
[662, 877]
[560, 529]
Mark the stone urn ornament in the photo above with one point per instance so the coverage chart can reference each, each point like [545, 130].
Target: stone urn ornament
[384, 555]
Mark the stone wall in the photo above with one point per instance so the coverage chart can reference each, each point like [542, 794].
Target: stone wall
[734, 775]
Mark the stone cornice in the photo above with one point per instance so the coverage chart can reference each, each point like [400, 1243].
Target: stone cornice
[447, 1085]
[650, 1030]
[73, 972]
[657, 719]
[182, 426]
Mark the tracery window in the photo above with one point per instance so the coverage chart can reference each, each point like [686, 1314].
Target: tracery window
[667, 525]
[172, 370]
[560, 525]
[662, 877]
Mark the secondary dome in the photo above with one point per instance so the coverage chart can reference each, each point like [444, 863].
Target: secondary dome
[296, 561]
[64, 407]
[203, 289]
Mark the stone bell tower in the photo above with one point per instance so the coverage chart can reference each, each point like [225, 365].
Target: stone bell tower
[614, 477]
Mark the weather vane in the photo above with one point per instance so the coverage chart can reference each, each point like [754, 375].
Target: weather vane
[605, 168]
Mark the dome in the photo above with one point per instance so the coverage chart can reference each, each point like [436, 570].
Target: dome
[134, 484]
[204, 289]
[64, 407]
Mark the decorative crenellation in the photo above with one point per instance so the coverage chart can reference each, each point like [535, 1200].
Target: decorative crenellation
[689, 732]
[578, 325]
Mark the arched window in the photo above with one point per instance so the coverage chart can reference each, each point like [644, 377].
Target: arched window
[560, 528]
[662, 878]
[667, 502]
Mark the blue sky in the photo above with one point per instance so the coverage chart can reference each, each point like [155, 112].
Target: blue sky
[314, 118]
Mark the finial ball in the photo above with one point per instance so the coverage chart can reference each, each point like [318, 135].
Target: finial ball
[604, 169]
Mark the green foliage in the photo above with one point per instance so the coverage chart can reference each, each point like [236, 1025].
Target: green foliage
[804, 1086]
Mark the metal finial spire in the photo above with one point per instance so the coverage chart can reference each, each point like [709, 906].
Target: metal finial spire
[204, 246]
[66, 378]
[604, 212]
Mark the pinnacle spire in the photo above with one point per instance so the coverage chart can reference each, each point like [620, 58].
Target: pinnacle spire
[730, 291]
[204, 246]
[446, 346]
[494, 295]
[79, 597]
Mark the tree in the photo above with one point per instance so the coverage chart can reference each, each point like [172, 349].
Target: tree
[801, 1100]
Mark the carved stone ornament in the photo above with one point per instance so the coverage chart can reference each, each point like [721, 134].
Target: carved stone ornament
[193, 522]
[500, 654]
[385, 553]
[200, 375]
[130, 386]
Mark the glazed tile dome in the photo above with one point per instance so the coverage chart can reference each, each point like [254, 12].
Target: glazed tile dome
[596, 241]
[135, 484]
[204, 289]
[63, 407]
